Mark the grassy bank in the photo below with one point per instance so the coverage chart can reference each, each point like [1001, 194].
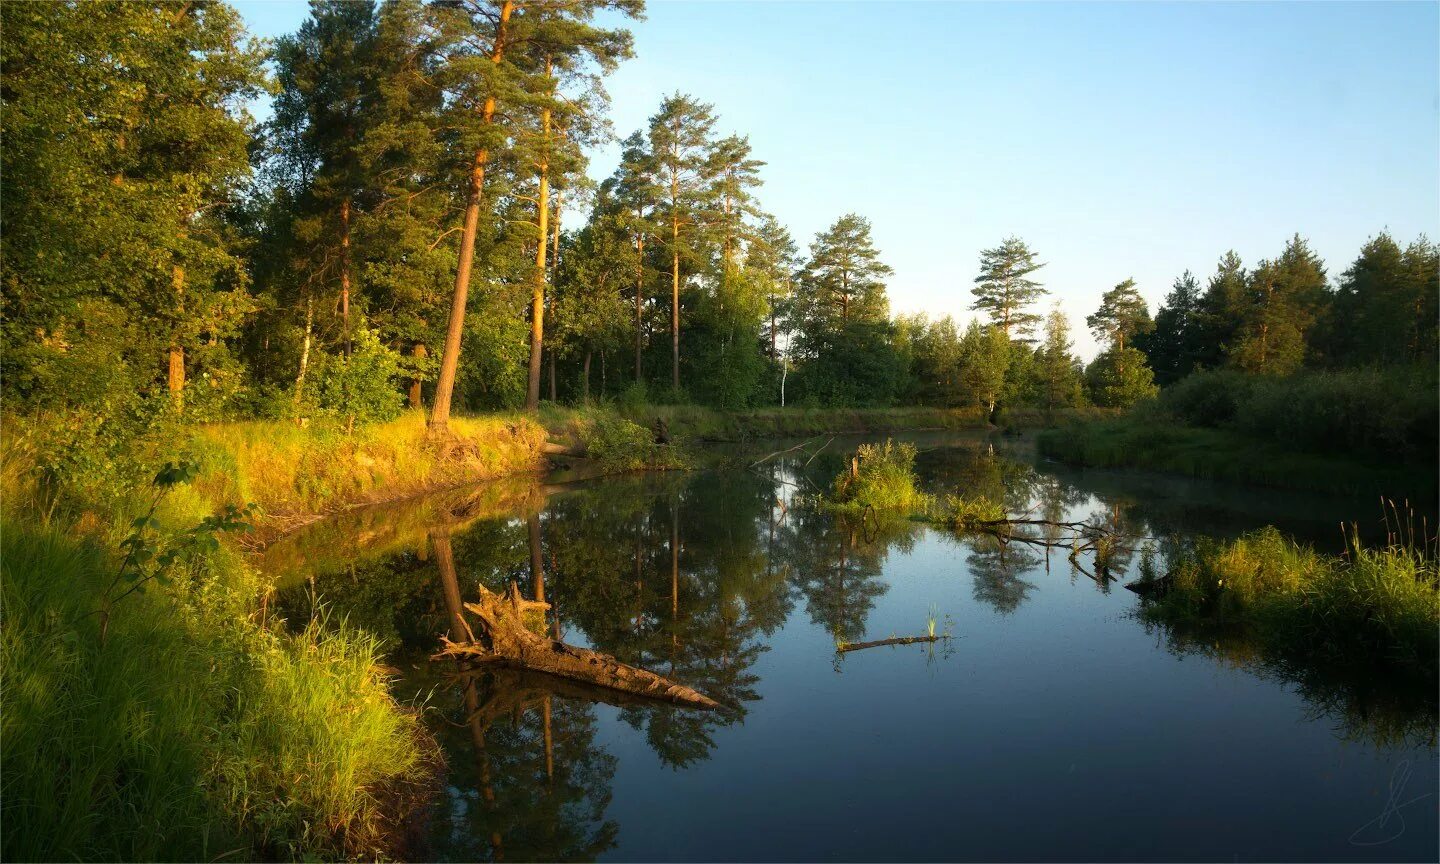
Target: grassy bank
[1154, 443]
[707, 424]
[295, 474]
[188, 731]
[173, 721]
[1373, 605]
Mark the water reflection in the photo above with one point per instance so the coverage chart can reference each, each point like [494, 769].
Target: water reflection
[697, 576]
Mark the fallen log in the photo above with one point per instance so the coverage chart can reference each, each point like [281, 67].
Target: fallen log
[1152, 587]
[551, 448]
[846, 647]
[504, 638]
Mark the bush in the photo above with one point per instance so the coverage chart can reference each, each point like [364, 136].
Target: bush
[883, 478]
[1207, 398]
[617, 444]
[1370, 412]
[362, 388]
[1374, 604]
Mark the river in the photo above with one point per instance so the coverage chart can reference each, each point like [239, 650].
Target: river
[1054, 723]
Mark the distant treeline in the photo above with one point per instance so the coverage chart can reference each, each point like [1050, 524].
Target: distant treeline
[394, 231]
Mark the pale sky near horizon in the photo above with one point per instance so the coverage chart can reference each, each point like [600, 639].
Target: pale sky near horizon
[1118, 139]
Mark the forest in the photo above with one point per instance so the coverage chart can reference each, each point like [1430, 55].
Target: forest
[393, 234]
[403, 278]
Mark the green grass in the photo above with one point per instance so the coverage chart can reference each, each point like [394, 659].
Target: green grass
[1373, 605]
[708, 424]
[188, 732]
[1152, 443]
[883, 479]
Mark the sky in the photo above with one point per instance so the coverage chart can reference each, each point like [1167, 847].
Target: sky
[1118, 140]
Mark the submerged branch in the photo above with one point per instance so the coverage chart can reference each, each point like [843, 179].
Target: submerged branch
[846, 647]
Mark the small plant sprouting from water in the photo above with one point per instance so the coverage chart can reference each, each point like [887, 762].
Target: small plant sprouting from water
[970, 512]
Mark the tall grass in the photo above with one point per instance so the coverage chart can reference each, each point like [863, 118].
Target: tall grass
[294, 473]
[1371, 605]
[881, 476]
[188, 732]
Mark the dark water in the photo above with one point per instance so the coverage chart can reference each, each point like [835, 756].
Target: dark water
[1054, 724]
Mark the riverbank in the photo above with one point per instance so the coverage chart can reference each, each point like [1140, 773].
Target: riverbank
[1372, 608]
[710, 425]
[184, 721]
[1154, 444]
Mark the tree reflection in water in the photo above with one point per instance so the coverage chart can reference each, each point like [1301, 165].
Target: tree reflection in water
[690, 575]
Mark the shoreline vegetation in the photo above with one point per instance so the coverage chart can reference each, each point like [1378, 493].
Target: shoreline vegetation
[1372, 606]
[221, 692]
[1366, 431]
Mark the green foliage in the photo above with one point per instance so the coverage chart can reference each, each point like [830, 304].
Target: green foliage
[618, 445]
[968, 511]
[1120, 378]
[186, 732]
[1376, 604]
[883, 478]
[362, 388]
[1004, 289]
[1207, 398]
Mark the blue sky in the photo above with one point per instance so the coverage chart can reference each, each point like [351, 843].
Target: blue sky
[1119, 140]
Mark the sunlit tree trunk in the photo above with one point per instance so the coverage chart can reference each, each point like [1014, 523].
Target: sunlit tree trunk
[675, 306]
[537, 290]
[585, 392]
[175, 373]
[639, 303]
[450, 359]
[345, 272]
[305, 350]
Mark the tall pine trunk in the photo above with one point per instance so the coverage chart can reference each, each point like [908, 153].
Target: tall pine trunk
[537, 290]
[639, 301]
[175, 372]
[450, 359]
[345, 272]
[585, 392]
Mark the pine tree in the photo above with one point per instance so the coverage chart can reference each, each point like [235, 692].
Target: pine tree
[1285, 297]
[1171, 345]
[1121, 315]
[845, 274]
[1004, 289]
[1221, 309]
[1059, 372]
[633, 192]
[681, 147]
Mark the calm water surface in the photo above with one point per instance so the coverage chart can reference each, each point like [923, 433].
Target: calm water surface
[1054, 724]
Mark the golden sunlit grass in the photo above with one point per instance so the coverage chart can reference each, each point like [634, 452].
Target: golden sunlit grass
[294, 473]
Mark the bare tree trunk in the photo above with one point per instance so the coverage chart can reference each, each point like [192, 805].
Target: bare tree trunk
[345, 272]
[675, 314]
[305, 351]
[585, 393]
[175, 373]
[537, 290]
[418, 352]
[639, 301]
[450, 359]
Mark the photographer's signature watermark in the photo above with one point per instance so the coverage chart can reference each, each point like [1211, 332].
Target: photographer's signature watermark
[1390, 824]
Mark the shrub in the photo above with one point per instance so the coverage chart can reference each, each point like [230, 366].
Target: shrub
[617, 444]
[1363, 411]
[361, 388]
[1207, 398]
[882, 477]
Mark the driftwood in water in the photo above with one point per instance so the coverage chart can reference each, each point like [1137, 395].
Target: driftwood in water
[846, 647]
[503, 637]
[1152, 587]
